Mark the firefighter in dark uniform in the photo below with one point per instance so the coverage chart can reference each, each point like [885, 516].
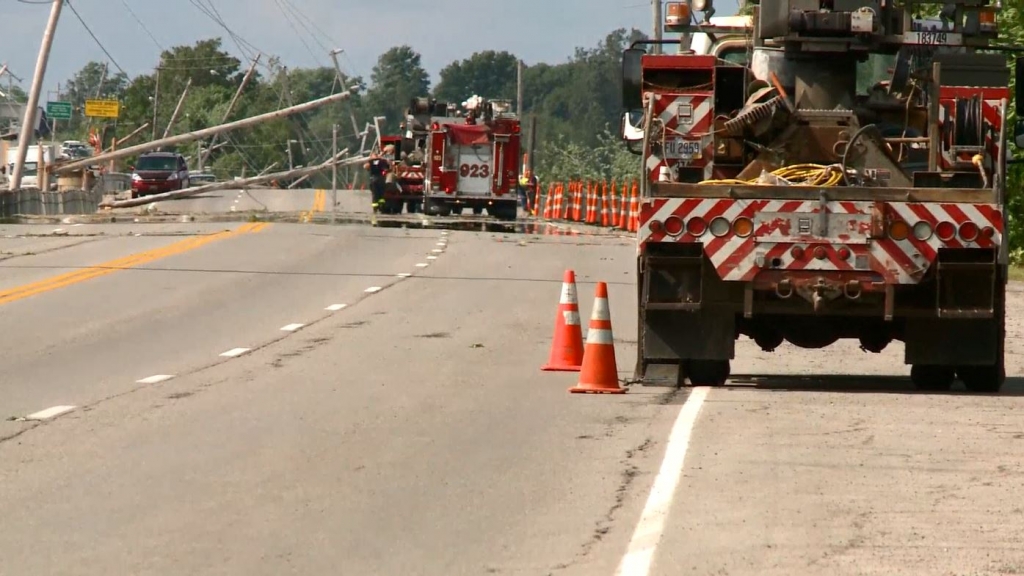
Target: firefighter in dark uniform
[377, 168]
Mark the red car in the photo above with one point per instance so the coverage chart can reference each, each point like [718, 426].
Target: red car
[158, 172]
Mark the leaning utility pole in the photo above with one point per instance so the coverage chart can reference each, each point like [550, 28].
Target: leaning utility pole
[156, 97]
[519, 88]
[192, 136]
[27, 129]
[334, 175]
[341, 78]
[231, 105]
[656, 7]
[177, 109]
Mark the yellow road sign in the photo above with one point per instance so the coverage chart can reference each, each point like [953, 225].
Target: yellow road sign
[102, 108]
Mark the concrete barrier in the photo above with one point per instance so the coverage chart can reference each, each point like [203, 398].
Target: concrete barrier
[34, 202]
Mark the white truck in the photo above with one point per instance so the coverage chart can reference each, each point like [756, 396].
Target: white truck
[30, 172]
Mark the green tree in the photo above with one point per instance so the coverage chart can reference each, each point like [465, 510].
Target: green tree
[94, 80]
[489, 74]
[397, 78]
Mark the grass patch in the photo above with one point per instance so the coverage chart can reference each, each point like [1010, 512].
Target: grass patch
[1017, 273]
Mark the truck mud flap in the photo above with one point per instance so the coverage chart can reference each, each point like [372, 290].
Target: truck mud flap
[676, 324]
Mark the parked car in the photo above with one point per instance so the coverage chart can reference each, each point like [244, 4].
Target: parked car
[159, 172]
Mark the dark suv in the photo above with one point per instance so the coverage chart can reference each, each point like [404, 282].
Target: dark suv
[157, 172]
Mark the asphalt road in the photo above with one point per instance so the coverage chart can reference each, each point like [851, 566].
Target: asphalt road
[408, 429]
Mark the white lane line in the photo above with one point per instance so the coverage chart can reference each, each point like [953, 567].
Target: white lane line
[234, 352]
[403, 275]
[51, 412]
[422, 265]
[444, 232]
[431, 257]
[640, 554]
[155, 379]
[442, 243]
[335, 307]
[373, 289]
[291, 327]
[437, 250]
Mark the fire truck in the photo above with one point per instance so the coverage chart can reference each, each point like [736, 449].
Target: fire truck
[822, 170]
[405, 186]
[472, 156]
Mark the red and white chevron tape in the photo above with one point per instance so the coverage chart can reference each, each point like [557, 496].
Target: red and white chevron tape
[779, 234]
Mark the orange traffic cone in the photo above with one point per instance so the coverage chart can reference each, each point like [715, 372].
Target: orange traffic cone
[599, 374]
[567, 344]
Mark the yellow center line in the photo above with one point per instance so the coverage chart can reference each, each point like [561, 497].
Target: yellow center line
[319, 205]
[125, 263]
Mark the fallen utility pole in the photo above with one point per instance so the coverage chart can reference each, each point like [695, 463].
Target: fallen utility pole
[177, 109]
[135, 133]
[231, 106]
[28, 125]
[233, 184]
[192, 136]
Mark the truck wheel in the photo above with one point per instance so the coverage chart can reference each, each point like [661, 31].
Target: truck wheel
[457, 210]
[478, 210]
[708, 372]
[413, 207]
[932, 378]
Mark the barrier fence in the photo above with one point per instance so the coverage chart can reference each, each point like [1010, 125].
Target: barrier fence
[610, 205]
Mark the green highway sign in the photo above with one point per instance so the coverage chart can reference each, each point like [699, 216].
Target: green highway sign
[58, 110]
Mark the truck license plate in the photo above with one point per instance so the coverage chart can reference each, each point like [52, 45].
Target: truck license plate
[679, 149]
[933, 38]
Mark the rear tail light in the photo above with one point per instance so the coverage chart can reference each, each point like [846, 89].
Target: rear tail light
[988, 232]
[946, 231]
[922, 230]
[797, 252]
[674, 225]
[655, 226]
[820, 253]
[696, 226]
[844, 253]
[435, 126]
[743, 227]
[720, 227]
[899, 230]
[969, 231]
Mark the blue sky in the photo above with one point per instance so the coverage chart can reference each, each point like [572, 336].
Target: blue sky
[441, 30]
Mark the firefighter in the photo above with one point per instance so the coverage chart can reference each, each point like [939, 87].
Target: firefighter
[377, 168]
[525, 185]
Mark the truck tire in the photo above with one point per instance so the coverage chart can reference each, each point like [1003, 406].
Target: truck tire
[456, 210]
[413, 206]
[932, 378]
[478, 210]
[708, 372]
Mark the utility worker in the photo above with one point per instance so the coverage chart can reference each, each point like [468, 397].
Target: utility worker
[524, 192]
[377, 167]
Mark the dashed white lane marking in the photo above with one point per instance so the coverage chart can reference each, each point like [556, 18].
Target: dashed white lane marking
[403, 275]
[373, 289]
[422, 265]
[291, 327]
[155, 379]
[444, 232]
[640, 554]
[442, 243]
[51, 412]
[431, 257]
[437, 250]
[235, 352]
[335, 307]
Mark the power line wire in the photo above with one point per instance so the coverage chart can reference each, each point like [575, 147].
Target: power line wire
[89, 30]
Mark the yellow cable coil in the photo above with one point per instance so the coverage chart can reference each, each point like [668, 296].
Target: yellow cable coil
[797, 174]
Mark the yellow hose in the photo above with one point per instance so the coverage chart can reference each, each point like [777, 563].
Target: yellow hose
[797, 174]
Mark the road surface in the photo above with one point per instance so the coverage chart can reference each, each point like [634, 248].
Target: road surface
[269, 398]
